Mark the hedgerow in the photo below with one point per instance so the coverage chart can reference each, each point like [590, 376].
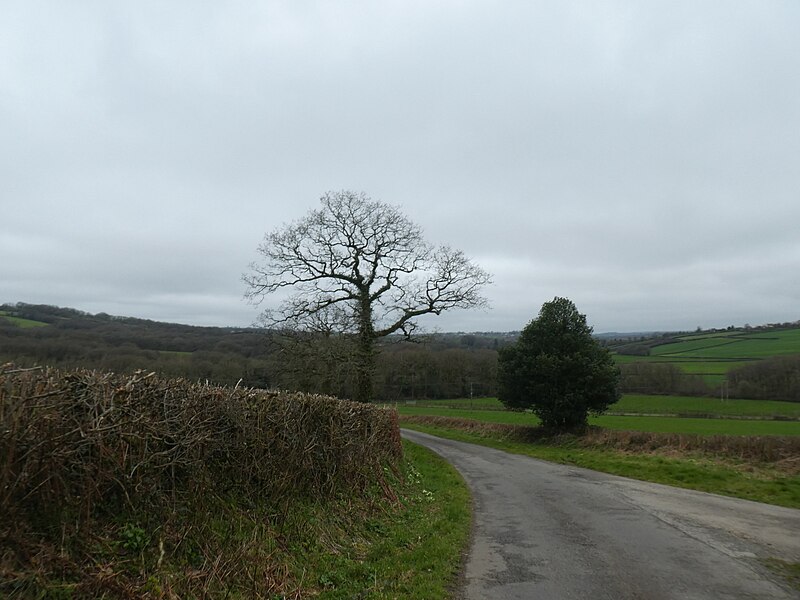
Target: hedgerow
[86, 456]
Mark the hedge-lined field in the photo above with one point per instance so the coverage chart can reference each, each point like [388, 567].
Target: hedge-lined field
[742, 345]
[648, 404]
[138, 486]
[689, 405]
[622, 423]
[20, 322]
[713, 356]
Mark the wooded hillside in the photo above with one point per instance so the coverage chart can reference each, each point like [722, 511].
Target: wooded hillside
[440, 366]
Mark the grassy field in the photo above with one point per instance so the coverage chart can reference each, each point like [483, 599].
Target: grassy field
[736, 345]
[688, 405]
[645, 404]
[19, 322]
[713, 355]
[626, 423]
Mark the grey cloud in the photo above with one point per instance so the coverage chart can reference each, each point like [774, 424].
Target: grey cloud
[638, 158]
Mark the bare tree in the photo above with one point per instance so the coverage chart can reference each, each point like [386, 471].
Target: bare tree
[363, 267]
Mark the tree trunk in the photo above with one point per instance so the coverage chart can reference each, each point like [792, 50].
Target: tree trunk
[366, 353]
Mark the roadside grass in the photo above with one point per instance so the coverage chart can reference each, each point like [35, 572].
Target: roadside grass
[697, 471]
[404, 540]
[412, 550]
[624, 423]
[788, 570]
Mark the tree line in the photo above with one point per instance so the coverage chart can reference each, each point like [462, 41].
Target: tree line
[441, 366]
[437, 366]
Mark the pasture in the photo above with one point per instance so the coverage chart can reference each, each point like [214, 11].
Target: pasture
[644, 404]
[740, 345]
[689, 405]
[753, 468]
[20, 322]
[713, 355]
[651, 424]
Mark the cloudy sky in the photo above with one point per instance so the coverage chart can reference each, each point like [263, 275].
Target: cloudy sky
[640, 158]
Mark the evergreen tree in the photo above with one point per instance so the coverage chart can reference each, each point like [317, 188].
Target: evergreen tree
[557, 369]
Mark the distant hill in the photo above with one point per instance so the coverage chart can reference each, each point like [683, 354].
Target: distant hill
[41, 334]
[445, 365]
[753, 362]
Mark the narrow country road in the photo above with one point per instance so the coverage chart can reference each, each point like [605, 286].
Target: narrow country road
[551, 531]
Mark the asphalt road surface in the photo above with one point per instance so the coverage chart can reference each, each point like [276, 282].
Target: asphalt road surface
[551, 531]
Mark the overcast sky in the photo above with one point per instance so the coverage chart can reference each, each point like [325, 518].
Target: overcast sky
[640, 158]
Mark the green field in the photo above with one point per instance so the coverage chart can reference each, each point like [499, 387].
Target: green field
[687, 405]
[468, 403]
[713, 355]
[20, 322]
[653, 405]
[736, 345]
[637, 423]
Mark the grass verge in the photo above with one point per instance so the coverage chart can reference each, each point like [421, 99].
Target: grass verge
[693, 470]
[789, 571]
[401, 541]
[413, 550]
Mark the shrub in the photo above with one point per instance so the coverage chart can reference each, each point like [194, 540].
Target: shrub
[82, 437]
[776, 378]
[660, 378]
[80, 450]
[557, 369]
[634, 350]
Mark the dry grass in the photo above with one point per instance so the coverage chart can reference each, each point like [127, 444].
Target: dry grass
[782, 452]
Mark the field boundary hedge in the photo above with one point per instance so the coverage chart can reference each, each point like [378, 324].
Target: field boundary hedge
[767, 449]
[80, 447]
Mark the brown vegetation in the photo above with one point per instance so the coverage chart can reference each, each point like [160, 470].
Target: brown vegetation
[86, 457]
[660, 378]
[782, 451]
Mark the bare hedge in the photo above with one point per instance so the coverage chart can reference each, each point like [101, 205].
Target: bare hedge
[95, 442]
[768, 449]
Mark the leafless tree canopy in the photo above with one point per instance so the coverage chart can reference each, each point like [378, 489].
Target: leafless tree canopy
[362, 267]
